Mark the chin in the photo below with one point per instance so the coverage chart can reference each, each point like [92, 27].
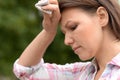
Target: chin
[85, 58]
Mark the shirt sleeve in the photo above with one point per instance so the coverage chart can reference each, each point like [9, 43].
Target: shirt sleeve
[46, 71]
[24, 73]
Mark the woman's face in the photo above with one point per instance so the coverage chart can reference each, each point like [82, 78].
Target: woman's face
[82, 32]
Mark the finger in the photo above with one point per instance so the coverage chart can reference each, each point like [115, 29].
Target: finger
[51, 7]
[47, 11]
[54, 8]
[46, 16]
[53, 1]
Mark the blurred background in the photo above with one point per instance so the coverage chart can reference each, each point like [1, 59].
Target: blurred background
[20, 22]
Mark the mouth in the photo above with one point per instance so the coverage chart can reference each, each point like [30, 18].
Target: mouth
[76, 48]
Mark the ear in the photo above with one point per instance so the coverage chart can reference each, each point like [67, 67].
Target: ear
[103, 16]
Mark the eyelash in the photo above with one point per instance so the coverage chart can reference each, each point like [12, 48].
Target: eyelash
[73, 27]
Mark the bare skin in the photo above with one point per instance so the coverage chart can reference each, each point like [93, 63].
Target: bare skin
[88, 35]
[35, 51]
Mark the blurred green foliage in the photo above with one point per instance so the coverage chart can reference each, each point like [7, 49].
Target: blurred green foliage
[20, 22]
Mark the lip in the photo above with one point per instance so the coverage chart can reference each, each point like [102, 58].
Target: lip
[75, 48]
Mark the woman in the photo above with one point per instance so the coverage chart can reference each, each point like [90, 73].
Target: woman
[91, 28]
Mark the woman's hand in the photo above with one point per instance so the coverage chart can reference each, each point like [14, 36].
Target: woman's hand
[50, 21]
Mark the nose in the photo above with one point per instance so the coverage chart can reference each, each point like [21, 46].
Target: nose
[68, 40]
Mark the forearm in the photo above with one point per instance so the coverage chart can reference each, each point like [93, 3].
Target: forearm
[36, 49]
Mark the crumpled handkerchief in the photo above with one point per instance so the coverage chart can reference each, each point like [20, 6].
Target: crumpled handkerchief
[42, 3]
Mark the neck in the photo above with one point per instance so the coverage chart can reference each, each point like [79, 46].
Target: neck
[109, 49]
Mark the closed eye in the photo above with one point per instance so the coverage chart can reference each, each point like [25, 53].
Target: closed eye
[72, 28]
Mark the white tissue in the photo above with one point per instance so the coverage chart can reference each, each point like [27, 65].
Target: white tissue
[42, 3]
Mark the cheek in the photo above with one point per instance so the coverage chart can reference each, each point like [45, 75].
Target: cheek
[94, 40]
[90, 38]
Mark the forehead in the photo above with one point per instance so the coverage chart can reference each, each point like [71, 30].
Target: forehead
[72, 14]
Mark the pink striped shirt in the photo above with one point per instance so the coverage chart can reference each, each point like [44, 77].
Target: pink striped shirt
[74, 71]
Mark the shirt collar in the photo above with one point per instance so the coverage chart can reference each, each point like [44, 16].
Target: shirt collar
[94, 63]
[116, 60]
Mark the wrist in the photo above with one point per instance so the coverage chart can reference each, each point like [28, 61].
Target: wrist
[49, 34]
